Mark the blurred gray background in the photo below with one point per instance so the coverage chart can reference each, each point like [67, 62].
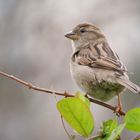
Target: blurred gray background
[33, 48]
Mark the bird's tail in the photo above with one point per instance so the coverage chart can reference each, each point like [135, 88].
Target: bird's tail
[130, 85]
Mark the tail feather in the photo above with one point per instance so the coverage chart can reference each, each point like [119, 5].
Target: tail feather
[130, 85]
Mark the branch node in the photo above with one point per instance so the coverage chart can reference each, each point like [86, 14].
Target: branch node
[66, 94]
[30, 86]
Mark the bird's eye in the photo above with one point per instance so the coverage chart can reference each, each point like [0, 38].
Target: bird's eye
[82, 30]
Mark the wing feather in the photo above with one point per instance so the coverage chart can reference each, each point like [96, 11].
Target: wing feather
[99, 56]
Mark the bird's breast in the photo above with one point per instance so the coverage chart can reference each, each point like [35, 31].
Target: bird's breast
[82, 74]
[98, 83]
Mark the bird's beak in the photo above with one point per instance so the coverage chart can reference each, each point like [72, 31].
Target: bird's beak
[71, 35]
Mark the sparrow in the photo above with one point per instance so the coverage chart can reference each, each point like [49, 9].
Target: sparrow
[95, 67]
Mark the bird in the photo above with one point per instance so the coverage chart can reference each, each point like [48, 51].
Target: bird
[95, 67]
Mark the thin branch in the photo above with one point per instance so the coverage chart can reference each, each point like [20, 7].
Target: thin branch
[70, 137]
[93, 137]
[137, 138]
[65, 94]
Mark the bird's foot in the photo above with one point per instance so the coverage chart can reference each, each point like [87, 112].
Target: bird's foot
[117, 110]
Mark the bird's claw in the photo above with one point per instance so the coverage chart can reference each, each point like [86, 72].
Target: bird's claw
[117, 110]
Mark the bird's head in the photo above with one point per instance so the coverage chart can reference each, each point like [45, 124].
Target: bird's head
[83, 33]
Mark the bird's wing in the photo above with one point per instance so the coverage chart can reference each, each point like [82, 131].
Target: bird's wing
[99, 56]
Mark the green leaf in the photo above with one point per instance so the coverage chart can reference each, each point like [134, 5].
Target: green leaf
[83, 98]
[110, 130]
[77, 114]
[115, 133]
[109, 126]
[132, 119]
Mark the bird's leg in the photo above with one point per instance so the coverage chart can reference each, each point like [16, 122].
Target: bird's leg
[119, 106]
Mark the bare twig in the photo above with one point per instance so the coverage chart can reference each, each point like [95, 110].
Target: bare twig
[137, 138]
[70, 137]
[93, 137]
[65, 94]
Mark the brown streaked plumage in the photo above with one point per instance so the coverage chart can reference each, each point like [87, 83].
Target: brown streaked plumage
[96, 68]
